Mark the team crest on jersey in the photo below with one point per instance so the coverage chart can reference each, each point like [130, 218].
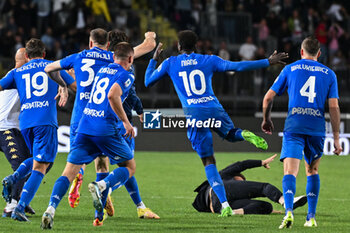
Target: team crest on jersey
[127, 83]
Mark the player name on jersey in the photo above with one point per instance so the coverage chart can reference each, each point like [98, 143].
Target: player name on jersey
[309, 68]
[93, 54]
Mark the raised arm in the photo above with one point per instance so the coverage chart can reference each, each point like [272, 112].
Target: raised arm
[153, 75]
[114, 97]
[146, 46]
[334, 113]
[223, 65]
[239, 167]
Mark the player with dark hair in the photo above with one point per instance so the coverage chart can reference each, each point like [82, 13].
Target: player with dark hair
[98, 133]
[86, 64]
[309, 85]
[191, 75]
[37, 121]
[239, 191]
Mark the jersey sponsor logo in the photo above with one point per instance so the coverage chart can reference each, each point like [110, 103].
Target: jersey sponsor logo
[309, 68]
[105, 56]
[84, 95]
[306, 111]
[189, 62]
[200, 100]
[33, 65]
[94, 112]
[35, 104]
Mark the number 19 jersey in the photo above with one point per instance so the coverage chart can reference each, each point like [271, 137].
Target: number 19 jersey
[309, 85]
[86, 64]
[36, 91]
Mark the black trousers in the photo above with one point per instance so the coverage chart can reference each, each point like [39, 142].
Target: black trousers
[239, 194]
[16, 151]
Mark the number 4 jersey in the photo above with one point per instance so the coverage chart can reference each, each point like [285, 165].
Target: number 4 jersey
[309, 85]
[36, 92]
[98, 117]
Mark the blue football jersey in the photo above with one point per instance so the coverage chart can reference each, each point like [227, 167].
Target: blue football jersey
[309, 85]
[36, 92]
[86, 64]
[98, 117]
[191, 75]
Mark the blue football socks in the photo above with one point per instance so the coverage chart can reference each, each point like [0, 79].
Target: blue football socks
[23, 170]
[289, 188]
[30, 189]
[312, 192]
[133, 190]
[215, 182]
[59, 190]
[117, 177]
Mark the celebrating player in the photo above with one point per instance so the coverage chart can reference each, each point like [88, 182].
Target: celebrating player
[309, 85]
[98, 133]
[191, 74]
[37, 120]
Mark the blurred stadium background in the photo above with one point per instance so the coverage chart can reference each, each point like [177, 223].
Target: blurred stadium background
[233, 29]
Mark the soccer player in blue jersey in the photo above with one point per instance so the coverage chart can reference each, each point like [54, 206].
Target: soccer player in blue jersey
[132, 102]
[98, 133]
[191, 75]
[38, 119]
[86, 65]
[309, 85]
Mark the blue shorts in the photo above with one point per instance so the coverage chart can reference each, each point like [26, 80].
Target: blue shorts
[129, 141]
[296, 145]
[42, 142]
[87, 148]
[202, 138]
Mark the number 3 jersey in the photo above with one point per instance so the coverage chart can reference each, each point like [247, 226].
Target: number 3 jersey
[98, 118]
[86, 64]
[309, 85]
[36, 92]
[191, 75]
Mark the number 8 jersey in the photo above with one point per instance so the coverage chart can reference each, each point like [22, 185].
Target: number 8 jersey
[36, 92]
[309, 85]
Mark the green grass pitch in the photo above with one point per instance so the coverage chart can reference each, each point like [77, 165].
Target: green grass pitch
[166, 181]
